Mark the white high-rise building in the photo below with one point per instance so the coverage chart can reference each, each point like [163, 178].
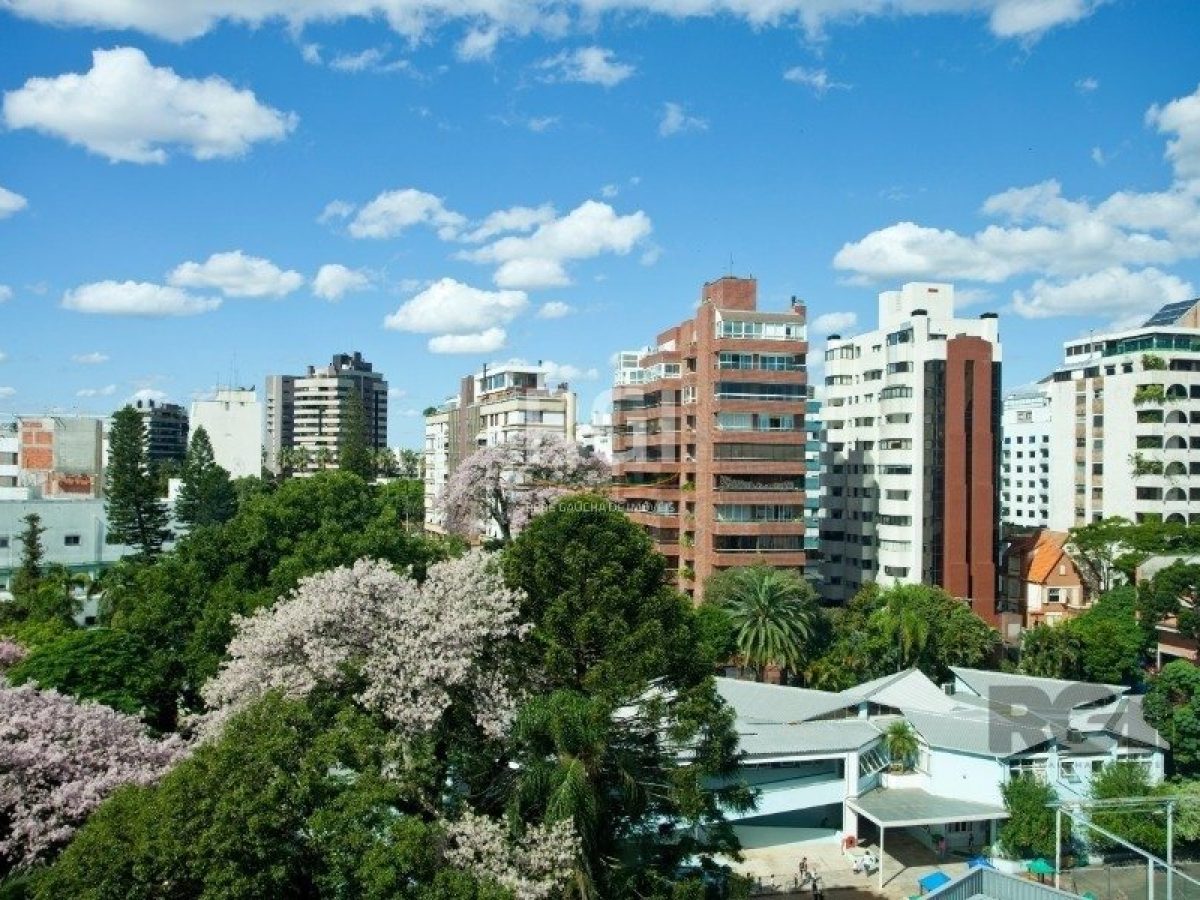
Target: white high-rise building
[1025, 459]
[491, 408]
[912, 417]
[1125, 413]
[233, 419]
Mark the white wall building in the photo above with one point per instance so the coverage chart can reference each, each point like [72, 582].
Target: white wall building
[911, 417]
[491, 408]
[10, 468]
[1025, 458]
[596, 436]
[233, 419]
[1125, 412]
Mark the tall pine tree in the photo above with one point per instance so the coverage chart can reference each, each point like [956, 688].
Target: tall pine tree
[207, 496]
[354, 453]
[29, 575]
[136, 514]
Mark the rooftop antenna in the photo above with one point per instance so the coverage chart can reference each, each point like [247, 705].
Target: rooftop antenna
[730, 263]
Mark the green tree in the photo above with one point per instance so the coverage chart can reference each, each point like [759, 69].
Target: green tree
[1142, 827]
[1052, 651]
[137, 515]
[411, 463]
[207, 495]
[625, 681]
[902, 745]
[29, 573]
[407, 497]
[772, 613]
[1029, 829]
[1172, 706]
[354, 450]
[95, 664]
[1096, 547]
[903, 621]
[1107, 643]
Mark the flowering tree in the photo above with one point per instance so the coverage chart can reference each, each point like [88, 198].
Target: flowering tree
[536, 867]
[11, 653]
[418, 646]
[59, 759]
[506, 485]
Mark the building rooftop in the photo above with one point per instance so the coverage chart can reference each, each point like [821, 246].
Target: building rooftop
[983, 883]
[1171, 313]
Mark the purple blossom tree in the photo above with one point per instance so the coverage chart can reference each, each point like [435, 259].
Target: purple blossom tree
[11, 653]
[498, 489]
[59, 759]
[418, 645]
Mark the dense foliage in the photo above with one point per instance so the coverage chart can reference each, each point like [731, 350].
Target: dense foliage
[207, 496]
[137, 514]
[1029, 830]
[1143, 827]
[1106, 644]
[1172, 705]
[771, 613]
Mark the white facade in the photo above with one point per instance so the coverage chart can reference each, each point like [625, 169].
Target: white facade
[1126, 415]
[1025, 458]
[10, 468]
[233, 420]
[596, 436]
[877, 471]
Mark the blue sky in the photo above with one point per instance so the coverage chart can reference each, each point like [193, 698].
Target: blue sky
[489, 179]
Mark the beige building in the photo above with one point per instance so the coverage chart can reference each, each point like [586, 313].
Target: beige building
[491, 407]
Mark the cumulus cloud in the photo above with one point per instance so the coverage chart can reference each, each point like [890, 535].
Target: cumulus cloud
[107, 391]
[136, 298]
[394, 211]
[1124, 296]
[554, 309]
[5, 293]
[489, 20]
[373, 59]
[127, 110]
[537, 260]
[6, 392]
[560, 372]
[451, 307]
[336, 209]
[10, 202]
[484, 342]
[834, 321]
[237, 275]
[334, 281]
[1181, 118]
[588, 65]
[675, 120]
[147, 394]
[516, 218]
[90, 359]
[817, 80]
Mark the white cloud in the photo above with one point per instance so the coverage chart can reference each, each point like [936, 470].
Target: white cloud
[451, 307]
[147, 394]
[829, 323]
[516, 218]
[395, 393]
[237, 275]
[537, 260]
[1098, 156]
[484, 342]
[1087, 85]
[816, 79]
[609, 191]
[6, 293]
[90, 359]
[3, 356]
[675, 121]
[334, 281]
[10, 202]
[538, 124]
[311, 53]
[1180, 117]
[107, 391]
[1125, 296]
[373, 59]
[135, 298]
[336, 209]
[6, 392]
[588, 65]
[127, 110]
[489, 20]
[553, 309]
[560, 372]
[393, 211]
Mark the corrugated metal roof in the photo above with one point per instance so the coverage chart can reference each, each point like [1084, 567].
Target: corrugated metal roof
[755, 701]
[1036, 693]
[760, 739]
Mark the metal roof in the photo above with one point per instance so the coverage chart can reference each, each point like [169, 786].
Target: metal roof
[770, 739]
[991, 884]
[758, 702]
[1009, 689]
[902, 807]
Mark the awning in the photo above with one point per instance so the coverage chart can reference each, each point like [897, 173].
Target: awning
[901, 807]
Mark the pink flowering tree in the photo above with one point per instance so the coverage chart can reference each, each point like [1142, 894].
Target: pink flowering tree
[11, 653]
[498, 489]
[416, 646]
[58, 760]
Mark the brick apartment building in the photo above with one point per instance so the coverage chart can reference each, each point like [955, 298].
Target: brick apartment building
[709, 435]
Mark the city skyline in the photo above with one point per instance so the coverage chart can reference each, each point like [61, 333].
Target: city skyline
[472, 190]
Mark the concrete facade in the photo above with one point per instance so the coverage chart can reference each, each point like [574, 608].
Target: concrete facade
[1126, 415]
[61, 456]
[709, 435]
[233, 420]
[491, 408]
[1025, 459]
[912, 418]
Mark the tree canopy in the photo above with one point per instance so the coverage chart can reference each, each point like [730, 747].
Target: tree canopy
[1172, 706]
[207, 496]
[137, 514]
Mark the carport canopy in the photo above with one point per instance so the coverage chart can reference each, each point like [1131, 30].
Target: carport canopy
[903, 807]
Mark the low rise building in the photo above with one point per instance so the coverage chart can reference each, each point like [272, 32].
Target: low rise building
[1040, 582]
[10, 467]
[61, 456]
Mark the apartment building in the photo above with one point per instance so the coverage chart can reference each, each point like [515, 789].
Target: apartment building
[1125, 411]
[912, 426]
[709, 435]
[166, 426]
[307, 413]
[1025, 460]
[10, 468]
[233, 420]
[61, 456]
[814, 492]
[491, 408]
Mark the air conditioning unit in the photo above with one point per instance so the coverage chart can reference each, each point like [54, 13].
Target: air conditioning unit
[948, 688]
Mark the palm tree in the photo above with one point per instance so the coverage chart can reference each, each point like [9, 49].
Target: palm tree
[906, 624]
[772, 614]
[902, 745]
[323, 457]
